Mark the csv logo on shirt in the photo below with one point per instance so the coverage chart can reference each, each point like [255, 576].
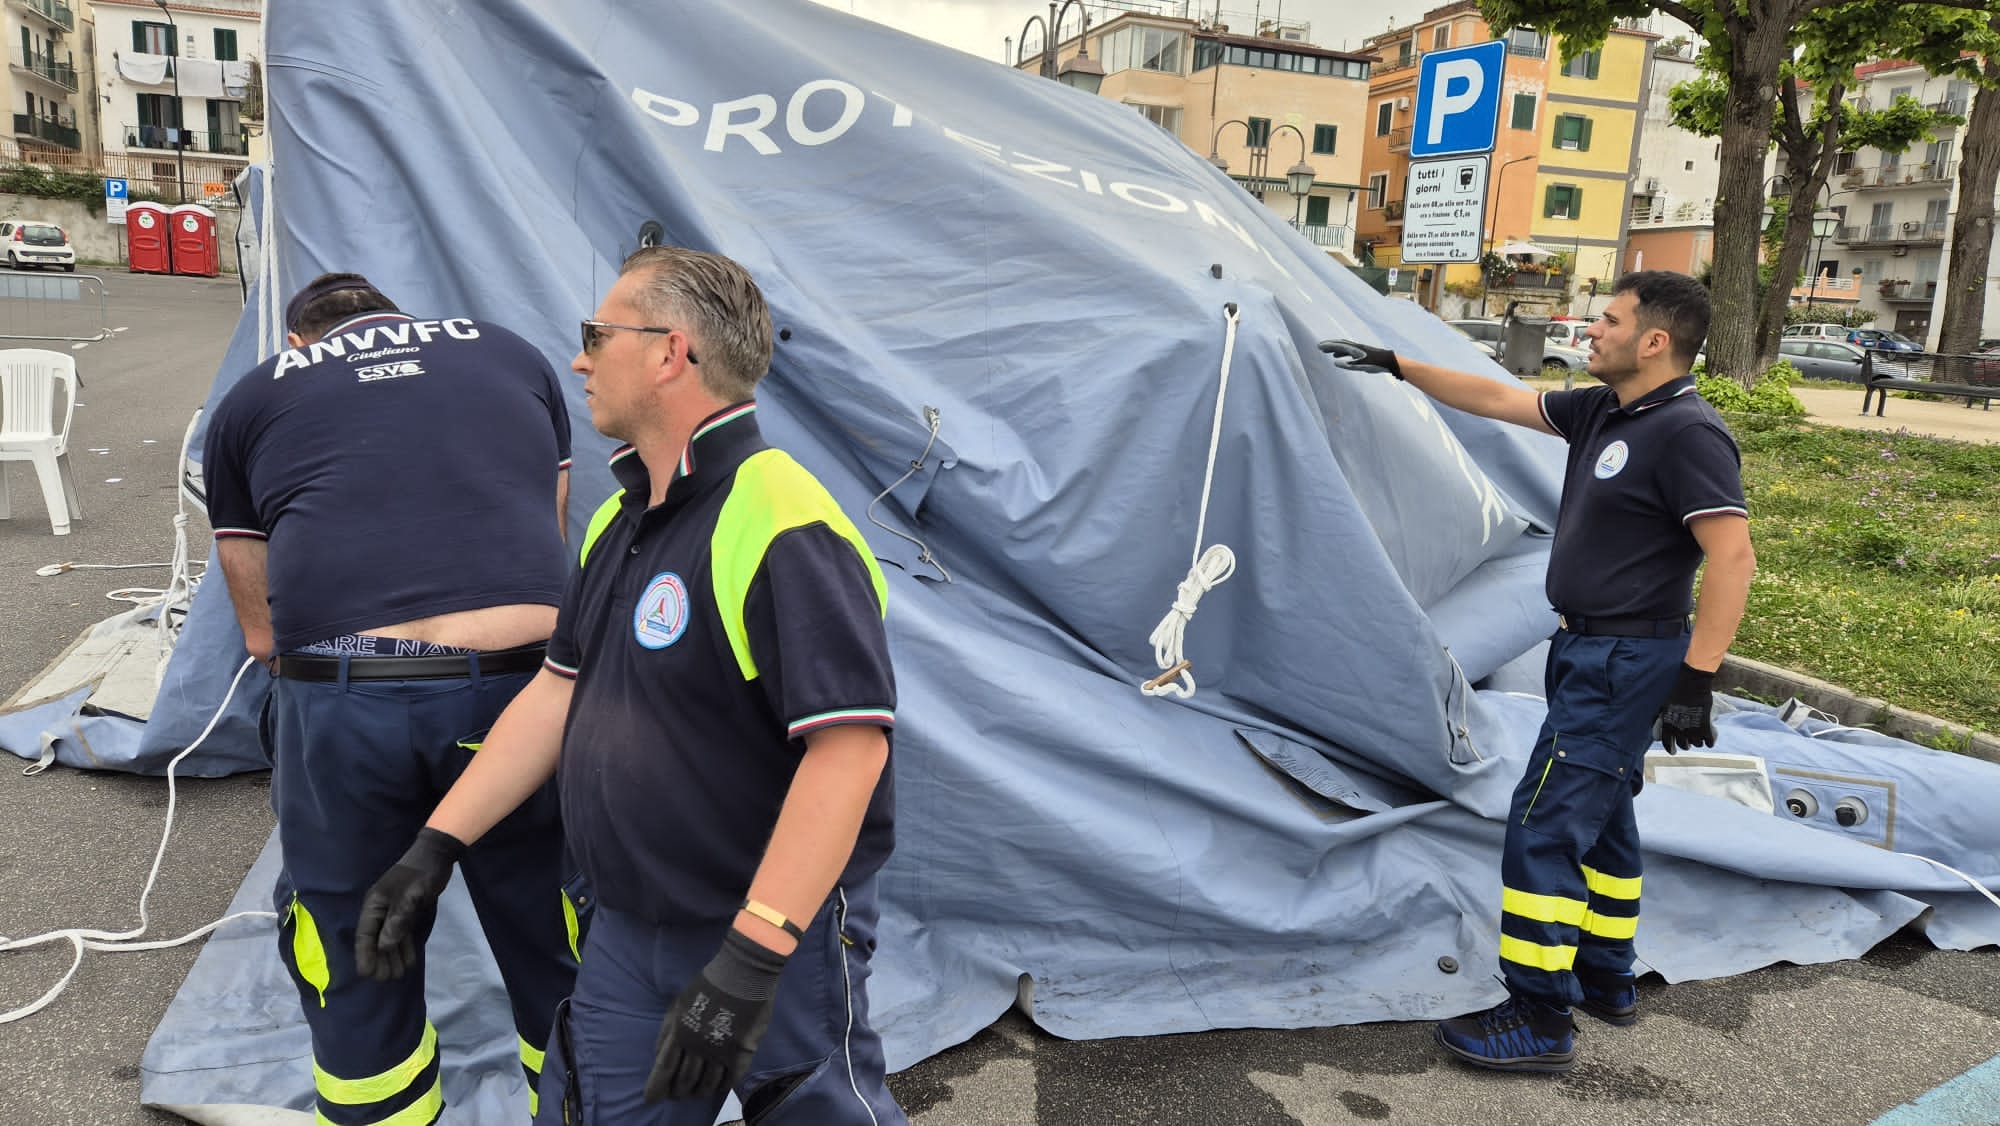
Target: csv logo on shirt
[395, 370]
[1612, 460]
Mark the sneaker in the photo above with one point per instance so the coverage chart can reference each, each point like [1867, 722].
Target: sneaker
[1612, 1000]
[1515, 1035]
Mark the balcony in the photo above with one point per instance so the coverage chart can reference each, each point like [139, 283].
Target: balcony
[1522, 279]
[1399, 139]
[1907, 233]
[1953, 106]
[1900, 175]
[1528, 50]
[1391, 66]
[47, 129]
[161, 137]
[1827, 288]
[56, 72]
[1908, 293]
[1392, 210]
[54, 11]
[1334, 236]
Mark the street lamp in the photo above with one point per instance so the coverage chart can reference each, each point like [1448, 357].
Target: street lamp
[1824, 221]
[180, 127]
[1080, 72]
[1500, 181]
[1298, 178]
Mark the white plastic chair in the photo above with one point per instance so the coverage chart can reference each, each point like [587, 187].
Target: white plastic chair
[28, 379]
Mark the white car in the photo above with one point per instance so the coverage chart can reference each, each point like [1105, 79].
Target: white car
[34, 242]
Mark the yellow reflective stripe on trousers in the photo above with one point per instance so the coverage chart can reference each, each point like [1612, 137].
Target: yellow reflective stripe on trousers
[771, 495]
[1554, 959]
[570, 925]
[531, 1058]
[1610, 926]
[423, 1112]
[1546, 767]
[383, 1086]
[308, 954]
[1542, 908]
[1611, 887]
[599, 520]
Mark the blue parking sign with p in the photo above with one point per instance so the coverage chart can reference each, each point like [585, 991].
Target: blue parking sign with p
[1458, 100]
[114, 189]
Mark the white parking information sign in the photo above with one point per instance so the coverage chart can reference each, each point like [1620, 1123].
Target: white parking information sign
[1444, 209]
[115, 198]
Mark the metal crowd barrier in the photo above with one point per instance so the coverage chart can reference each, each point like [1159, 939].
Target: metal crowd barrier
[52, 307]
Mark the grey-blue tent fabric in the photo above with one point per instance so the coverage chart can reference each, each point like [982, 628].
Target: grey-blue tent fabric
[1299, 842]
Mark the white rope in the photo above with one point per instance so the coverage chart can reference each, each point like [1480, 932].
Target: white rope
[1210, 568]
[1976, 885]
[82, 939]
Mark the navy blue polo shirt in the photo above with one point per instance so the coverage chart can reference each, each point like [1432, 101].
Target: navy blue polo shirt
[707, 636]
[399, 469]
[1638, 474]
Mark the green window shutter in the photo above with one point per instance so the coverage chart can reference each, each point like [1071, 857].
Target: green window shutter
[225, 44]
[1316, 210]
[1576, 203]
[138, 37]
[1591, 65]
[1524, 111]
[1583, 134]
[1549, 201]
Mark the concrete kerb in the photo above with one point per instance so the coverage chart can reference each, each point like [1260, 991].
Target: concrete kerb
[1755, 678]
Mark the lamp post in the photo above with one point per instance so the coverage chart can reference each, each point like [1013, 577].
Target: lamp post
[1824, 221]
[180, 128]
[1500, 181]
[1079, 72]
[1298, 178]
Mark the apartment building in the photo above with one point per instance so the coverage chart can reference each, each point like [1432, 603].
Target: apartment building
[1258, 104]
[1562, 161]
[173, 81]
[48, 82]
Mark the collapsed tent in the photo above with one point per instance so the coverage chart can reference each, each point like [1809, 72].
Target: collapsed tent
[1006, 315]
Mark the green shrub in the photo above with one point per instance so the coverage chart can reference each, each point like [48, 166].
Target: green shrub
[1827, 315]
[1771, 395]
[1723, 393]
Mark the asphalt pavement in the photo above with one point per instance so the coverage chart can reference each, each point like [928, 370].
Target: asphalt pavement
[1837, 1044]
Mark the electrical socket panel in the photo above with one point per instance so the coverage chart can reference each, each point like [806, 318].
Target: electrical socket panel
[1861, 808]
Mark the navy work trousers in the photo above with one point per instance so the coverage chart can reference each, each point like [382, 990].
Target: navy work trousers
[1570, 866]
[819, 1064]
[356, 770]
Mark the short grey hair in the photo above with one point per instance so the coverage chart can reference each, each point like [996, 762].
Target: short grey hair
[713, 300]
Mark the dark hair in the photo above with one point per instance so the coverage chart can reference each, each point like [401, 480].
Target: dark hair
[330, 299]
[1674, 303]
[714, 300]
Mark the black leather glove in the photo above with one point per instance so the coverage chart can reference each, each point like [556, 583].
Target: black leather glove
[1350, 354]
[1688, 719]
[402, 904]
[708, 1039]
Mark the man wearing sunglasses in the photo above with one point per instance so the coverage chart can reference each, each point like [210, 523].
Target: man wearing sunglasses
[718, 699]
[386, 496]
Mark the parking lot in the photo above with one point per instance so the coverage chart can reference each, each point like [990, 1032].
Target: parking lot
[1837, 1044]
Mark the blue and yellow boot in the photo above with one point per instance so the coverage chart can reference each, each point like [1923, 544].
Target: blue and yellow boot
[1613, 1000]
[1518, 1034]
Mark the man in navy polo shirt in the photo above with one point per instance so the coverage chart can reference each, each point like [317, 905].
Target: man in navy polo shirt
[717, 700]
[386, 496]
[1653, 486]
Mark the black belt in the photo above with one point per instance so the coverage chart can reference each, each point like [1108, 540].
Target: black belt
[1622, 627]
[449, 666]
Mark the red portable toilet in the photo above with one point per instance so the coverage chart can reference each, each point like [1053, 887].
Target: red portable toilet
[196, 251]
[146, 242]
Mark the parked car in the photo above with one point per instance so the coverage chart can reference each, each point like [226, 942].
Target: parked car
[1882, 340]
[1816, 332]
[1824, 359]
[1569, 334]
[1489, 333]
[33, 242]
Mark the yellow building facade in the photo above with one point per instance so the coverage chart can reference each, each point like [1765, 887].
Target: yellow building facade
[1589, 150]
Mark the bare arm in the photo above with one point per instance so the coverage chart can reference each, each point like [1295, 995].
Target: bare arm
[562, 504]
[242, 559]
[1476, 394]
[816, 828]
[519, 754]
[1725, 587]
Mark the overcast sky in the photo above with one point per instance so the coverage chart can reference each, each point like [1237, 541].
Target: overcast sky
[979, 26]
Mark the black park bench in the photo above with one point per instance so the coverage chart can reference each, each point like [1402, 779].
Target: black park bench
[1967, 377]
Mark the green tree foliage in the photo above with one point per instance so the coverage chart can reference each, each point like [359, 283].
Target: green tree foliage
[1761, 50]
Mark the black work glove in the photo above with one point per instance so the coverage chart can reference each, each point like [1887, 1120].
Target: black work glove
[402, 905]
[708, 1038]
[1688, 719]
[1350, 354]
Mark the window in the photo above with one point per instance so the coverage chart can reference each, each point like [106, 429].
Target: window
[1144, 48]
[153, 38]
[1524, 112]
[1582, 66]
[1382, 112]
[1936, 213]
[1573, 132]
[1166, 117]
[1899, 92]
[1842, 162]
[1871, 271]
[1564, 201]
[225, 44]
[159, 121]
[1207, 53]
[1324, 137]
[1316, 210]
[1441, 38]
[1527, 41]
[1378, 187]
[1687, 166]
[1938, 154]
[1260, 133]
[225, 130]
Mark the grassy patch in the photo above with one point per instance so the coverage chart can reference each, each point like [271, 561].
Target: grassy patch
[1878, 563]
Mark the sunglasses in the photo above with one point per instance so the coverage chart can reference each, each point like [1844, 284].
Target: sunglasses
[594, 333]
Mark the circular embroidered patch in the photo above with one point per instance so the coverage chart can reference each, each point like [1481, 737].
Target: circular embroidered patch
[1612, 460]
[662, 614]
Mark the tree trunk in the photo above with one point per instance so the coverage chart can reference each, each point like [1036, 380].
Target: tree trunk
[1972, 228]
[1758, 47]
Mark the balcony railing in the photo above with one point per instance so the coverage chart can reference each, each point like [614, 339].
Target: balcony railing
[1953, 106]
[1908, 231]
[1522, 280]
[60, 72]
[1400, 62]
[1528, 50]
[47, 129]
[54, 11]
[1909, 292]
[1335, 235]
[189, 140]
[1399, 139]
[1392, 210]
[1827, 288]
[1899, 175]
